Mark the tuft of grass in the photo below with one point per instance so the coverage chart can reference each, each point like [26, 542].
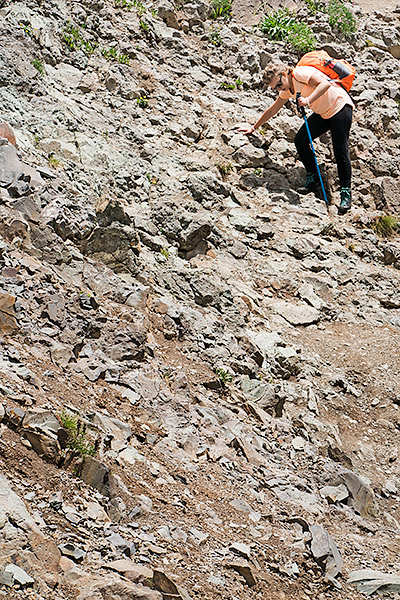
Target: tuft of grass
[72, 37]
[276, 25]
[225, 85]
[38, 66]
[53, 161]
[386, 226]
[112, 54]
[224, 376]
[134, 4]
[341, 18]
[221, 9]
[282, 25]
[77, 440]
[224, 169]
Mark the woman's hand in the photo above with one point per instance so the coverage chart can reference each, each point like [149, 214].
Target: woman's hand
[246, 129]
[301, 101]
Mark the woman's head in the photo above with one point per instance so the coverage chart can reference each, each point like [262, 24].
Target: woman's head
[276, 75]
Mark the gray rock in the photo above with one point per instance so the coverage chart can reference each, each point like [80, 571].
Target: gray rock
[19, 576]
[297, 314]
[325, 551]
[369, 581]
[6, 578]
[334, 494]
[244, 569]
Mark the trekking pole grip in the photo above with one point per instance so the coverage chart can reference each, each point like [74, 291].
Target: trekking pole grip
[300, 109]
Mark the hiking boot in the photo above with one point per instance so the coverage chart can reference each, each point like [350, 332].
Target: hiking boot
[345, 200]
[312, 184]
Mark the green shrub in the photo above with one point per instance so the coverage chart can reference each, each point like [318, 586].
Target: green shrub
[281, 25]
[277, 24]
[224, 169]
[77, 435]
[341, 18]
[386, 225]
[137, 4]
[221, 8]
[301, 38]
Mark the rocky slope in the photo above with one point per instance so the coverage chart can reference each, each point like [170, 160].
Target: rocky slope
[227, 350]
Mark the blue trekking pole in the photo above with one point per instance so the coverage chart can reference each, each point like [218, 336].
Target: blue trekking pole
[302, 112]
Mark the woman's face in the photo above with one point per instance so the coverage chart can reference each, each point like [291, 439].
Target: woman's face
[280, 82]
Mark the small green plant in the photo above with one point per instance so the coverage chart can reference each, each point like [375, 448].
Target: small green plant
[54, 162]
[142, 101]
[224, 85]
[315, 6]
[77, 440]
[112, 54]
[238, 82]
[72, 37]
[276, 25]
[215, 37]
[144, 25]
[165, 253]
[127, 5]
[386, 226]
[223, 376]
[221, 9]
[341, 18]
[38, 66]
[282, 25]
[258, 172]
[224, 169]
[151, 178]
[301, 38]
[28, 30]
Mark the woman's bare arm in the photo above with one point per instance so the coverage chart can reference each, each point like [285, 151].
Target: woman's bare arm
[270, 112]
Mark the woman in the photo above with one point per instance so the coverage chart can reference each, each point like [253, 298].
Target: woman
[332, 110]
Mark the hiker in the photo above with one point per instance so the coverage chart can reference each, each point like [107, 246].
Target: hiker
[332, 110]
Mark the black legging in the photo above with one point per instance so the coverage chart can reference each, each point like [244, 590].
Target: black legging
[339, 125]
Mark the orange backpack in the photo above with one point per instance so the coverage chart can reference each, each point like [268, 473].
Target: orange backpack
[335, 69]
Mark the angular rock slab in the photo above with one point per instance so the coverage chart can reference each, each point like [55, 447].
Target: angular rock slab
[8, 323]
[368, 581]
[167, 586]
[43, 557]
[113, 587]
[297, 314]
[325, 551]
[95, 473]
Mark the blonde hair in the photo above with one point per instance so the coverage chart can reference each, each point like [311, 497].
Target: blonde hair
[273, 69]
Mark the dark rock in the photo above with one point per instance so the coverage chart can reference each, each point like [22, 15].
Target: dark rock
[76, 554]
[94, 473]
